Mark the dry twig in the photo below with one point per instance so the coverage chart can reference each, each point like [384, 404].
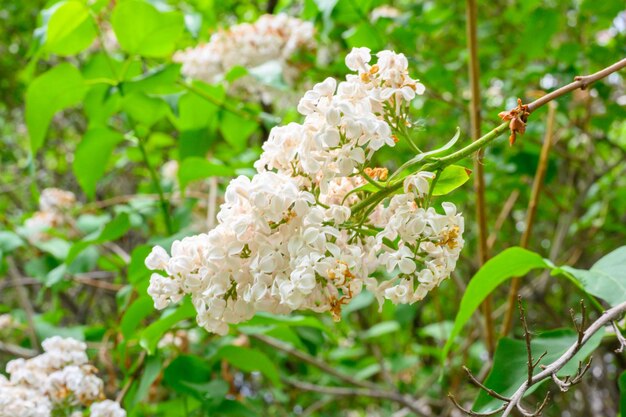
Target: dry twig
[551, 370]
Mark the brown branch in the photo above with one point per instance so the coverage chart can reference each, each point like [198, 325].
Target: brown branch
[121, 199]
[98, 283]
[311, 360]
[24, 301]
[530, 214]
[479, 176]
[620, 338]
[407, 401]
[138, 370]
[554, 367]
[582, 82]
[551, 370]
[16, 350]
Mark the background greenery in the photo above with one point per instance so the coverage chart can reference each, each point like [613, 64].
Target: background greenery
[102, 123]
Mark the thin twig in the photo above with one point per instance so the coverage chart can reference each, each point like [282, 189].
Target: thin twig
[504, 214]
[406, 401]
[16, 350]
[24, 301]
[121, 199]
[553, 368]
[311, 360]
[620, 337]
[244, 114]
[581, 82]
[132, 377]
[548, 371]
[480, 385]
[156, 183]
[98, 283]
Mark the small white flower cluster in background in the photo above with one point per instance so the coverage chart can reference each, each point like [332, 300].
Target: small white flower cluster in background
[7, 322]
[60, 380]
[178, 340]
[53, 204]
[271, 39]
[385, 12]
[169, 171]
[290, 238]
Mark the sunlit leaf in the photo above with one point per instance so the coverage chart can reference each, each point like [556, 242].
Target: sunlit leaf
[143, 30]
[70, 28]
[192, 169]
[61, 87]
[450, 179]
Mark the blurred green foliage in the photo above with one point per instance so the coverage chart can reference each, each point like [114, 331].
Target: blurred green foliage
[103, 122]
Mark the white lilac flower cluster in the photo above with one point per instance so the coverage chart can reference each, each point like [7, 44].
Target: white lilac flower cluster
[60, 380]
[271, 40]
[290, 238]
[53, 204]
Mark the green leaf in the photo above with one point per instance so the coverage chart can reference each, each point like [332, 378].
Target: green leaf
[92, 157]
[89, 223]
[199, 108]
[111, 231]
[364, 34]
[56, 275]
[236, 72]
[451, 178]
[513, 262]
[56, 247]
[236, 129]
[249, 360]
[138, 310]
[70, 28]
[144, 109]
[9, 241]
[509, 367]
[141, 29]
[151, 371]
[187, 374]
[45, 330]
[152, 334]
[233, 408]
[61, 87]
[425, 155]
[160, 80]
[622, 394]
[516, 262]
[137, 270]
[380, 329]
[606, 278]
[196, 168]
[267, 319]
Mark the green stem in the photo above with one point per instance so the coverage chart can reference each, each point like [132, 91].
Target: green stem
[157, 185]
[436, 165]
[107, 56]
[432, 187]
[220, 104]
[370, 179]
[473, 147]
